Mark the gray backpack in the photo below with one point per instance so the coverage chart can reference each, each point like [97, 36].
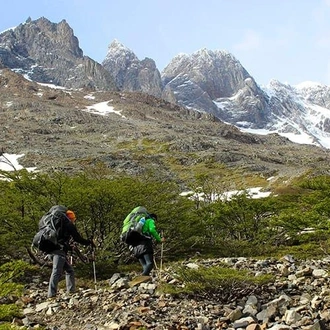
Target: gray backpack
[46, 239]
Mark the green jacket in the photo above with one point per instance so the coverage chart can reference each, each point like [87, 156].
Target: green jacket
[149, 229]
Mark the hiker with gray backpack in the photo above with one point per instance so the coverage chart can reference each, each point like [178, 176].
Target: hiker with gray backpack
[138, 232]
[56, 229]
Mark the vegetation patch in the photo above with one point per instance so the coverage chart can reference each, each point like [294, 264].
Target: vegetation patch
[9, 311]
[215, 281]
[11, 274]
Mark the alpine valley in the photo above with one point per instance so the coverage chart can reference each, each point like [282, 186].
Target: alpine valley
[203, 112]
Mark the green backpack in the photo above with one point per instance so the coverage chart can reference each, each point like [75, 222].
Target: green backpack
[132, 226]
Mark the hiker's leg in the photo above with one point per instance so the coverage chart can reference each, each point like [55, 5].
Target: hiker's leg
[143, 263]
[69, 277]
[58, 264]
[148, 259]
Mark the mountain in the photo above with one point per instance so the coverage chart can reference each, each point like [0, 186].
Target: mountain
[66, 124]
[216, 82]
[206, 81]
[300, 112]
[131, 74]
[49, 53]
[58, 129]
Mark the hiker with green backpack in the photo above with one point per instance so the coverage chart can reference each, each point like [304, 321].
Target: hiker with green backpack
[138, 232]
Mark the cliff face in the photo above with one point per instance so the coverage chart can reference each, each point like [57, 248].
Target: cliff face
[215, 82]
[131, 74]
[49, 53]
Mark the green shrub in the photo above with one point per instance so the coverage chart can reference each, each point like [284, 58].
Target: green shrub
[8, 326]
[9, 311]
[214, 280]
[12, 275]
[303, 251]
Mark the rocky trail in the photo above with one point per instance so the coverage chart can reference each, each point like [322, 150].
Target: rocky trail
[298, 298]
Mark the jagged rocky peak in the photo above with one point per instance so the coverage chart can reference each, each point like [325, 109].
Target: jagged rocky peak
[307, 91]
[131, 74]
[35, 37]
[216, 72]
[215, 82]
[118, 60]
[117, 50]
[49, 53]
[277, 85]
[315, 92]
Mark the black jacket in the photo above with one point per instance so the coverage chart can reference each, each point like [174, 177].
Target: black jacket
[67, 231]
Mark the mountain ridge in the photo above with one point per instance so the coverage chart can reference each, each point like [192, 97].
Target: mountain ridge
[207, 81]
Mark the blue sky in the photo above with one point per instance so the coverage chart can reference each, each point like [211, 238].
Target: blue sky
[287, 40]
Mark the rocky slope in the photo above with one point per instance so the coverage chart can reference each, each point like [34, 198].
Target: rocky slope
[298, 297]
[58, 129]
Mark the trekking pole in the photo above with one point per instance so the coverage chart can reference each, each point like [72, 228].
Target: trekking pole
[161, 258]
[94, 267]
[155, 263]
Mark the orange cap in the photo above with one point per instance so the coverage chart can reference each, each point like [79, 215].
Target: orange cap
[70, 214]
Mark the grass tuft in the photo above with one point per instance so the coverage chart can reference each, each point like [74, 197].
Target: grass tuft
[9, 311]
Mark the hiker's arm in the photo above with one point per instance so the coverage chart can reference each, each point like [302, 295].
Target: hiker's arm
[153, 232]
[76, 236]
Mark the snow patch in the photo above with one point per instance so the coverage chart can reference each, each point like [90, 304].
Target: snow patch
[9, 162]
[254, 193]
[102, 109]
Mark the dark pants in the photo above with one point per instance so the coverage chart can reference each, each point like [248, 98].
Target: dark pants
[61, 265]
[146, 261]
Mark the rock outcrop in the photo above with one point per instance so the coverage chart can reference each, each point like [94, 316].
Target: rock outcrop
[131, 74]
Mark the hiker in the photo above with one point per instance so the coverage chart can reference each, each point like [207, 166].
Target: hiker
[143, 249]
[67, 231]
